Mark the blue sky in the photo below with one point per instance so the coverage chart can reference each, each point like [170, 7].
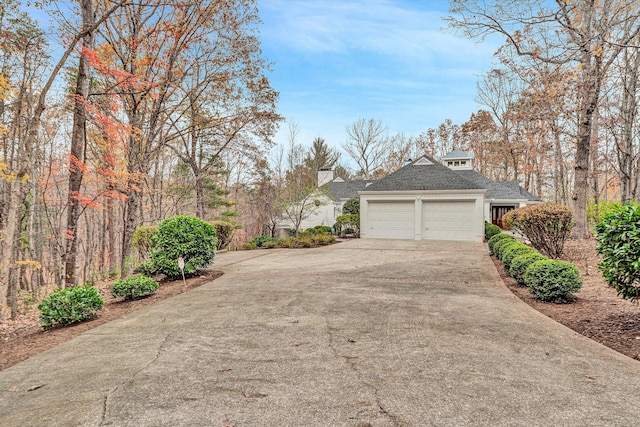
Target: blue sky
[336, 61]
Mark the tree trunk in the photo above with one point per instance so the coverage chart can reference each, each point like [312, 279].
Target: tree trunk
[77, 154]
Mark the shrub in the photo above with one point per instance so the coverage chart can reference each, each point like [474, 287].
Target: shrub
[553, 280]
[351, 206]
[508, 246]
[348, 222]
[495, 239]
[519, 265]
[271, 244]
[597, 211]
[261, 240]
[184, 237]
[249, 246]
[546, 226]
[318, 229]
[224, 233]
[323, 239]
[491, 230]
[501, 245]
[70, 305]
[134, 287]
[513, 251]
[618, 241]
[141, 241]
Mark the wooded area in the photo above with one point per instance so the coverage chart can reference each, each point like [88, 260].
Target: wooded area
[135, 112]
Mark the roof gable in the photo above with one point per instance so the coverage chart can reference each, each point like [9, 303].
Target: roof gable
[423, 174]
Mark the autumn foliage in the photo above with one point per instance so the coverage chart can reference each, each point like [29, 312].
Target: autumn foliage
[547, 226]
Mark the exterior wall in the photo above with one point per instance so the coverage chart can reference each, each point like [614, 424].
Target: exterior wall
[418, 198]
[325, 214]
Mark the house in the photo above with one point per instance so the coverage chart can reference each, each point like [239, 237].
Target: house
[425, 199]
[335, 192]
[428, 200]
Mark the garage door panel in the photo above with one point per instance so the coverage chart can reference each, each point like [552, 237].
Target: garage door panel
[448, 220]
[391, 220]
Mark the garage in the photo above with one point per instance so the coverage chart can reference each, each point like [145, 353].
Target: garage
[448, 220]
[422, 200]
[391, 220]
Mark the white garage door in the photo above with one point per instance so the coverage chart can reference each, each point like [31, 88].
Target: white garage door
[391, 220]
[448, 220]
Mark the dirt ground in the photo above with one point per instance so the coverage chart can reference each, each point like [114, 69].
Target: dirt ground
[597, 312]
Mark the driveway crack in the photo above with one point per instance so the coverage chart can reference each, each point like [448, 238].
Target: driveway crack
[110, 393]
[351, 362]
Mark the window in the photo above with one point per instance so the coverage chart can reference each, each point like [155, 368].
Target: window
[456, 163]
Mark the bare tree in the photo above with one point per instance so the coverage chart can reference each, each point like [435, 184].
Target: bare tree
[584, 33]
[368, 145]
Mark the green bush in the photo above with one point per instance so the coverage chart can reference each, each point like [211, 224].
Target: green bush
[70, 305]
[503, 248]
[323, 239]
[351, 206]
[249, 246]
[224, 233]
[502, 245]
[495, 239]
[349, 222]
[519, 265]
[318, 229]
[261, 240]
[134, 287]
[141, 241]
[513, 251]
[597, 211]
[183, 237]
[490, 230]
[618, 241]
[553, 280]
[546, 226]
[269, 244]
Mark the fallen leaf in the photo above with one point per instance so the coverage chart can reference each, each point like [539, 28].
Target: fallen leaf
[224, 370]
[35, 387]
[13, 389]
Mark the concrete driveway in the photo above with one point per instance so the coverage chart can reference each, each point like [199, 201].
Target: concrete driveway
[362, 333]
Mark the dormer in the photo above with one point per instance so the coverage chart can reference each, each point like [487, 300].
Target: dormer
[458, 160]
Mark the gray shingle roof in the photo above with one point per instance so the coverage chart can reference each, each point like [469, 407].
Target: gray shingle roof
[515, 186]
[345, 189]
[495, 190]
[412, 177]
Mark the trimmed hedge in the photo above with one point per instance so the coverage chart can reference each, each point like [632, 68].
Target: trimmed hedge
[520, 263]
[134, 287]
[490, 230]
[500, 247]
[495, 239]
[70, 305]
[553, 280]
[510, 253]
